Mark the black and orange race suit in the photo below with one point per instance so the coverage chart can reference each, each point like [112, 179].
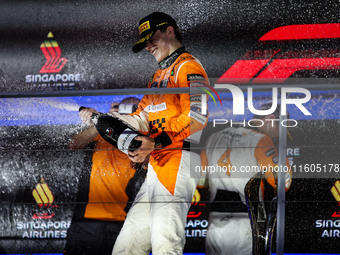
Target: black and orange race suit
[162, 204]
[109, 190]
[107, 185]
[174, 117]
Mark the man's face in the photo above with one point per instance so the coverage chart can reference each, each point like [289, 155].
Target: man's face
[159, 45]
[114, 107]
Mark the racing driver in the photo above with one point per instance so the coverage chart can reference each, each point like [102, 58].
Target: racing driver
[156, 220]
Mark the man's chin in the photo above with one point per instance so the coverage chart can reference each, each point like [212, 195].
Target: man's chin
[158, 59]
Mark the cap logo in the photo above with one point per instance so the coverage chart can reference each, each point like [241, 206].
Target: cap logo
[164, 23]
[146, 38]
[144, 26]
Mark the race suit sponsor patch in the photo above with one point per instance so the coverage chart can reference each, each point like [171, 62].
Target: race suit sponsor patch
[198, 117]
[275, 159]
[198, 84]
[196, 104]
[164, 83]
[270, 152]
[156, 108]
[154, 85]
[196, 98]
[192, 77]
[196, 108]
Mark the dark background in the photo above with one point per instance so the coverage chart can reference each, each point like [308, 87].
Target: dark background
[96, 37]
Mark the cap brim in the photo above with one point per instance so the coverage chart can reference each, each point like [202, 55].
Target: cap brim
[138, 46]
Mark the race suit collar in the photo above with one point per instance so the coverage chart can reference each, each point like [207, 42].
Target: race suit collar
[169, 60]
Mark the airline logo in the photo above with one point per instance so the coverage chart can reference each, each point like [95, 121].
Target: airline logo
[195, 203]
[50, 76]
[44, 198]
[51, 50]
[196, 226]
[336, 193]
[196, 198]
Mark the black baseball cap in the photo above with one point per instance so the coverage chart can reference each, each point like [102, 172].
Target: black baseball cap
[148, 27]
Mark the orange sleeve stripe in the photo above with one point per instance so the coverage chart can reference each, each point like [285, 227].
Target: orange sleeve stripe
[264, 154]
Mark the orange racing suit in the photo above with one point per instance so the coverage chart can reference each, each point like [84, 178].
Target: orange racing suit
[108, 193]
[110, 175]
[162, 204]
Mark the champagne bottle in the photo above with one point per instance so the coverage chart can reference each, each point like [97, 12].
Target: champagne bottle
[116, 131]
